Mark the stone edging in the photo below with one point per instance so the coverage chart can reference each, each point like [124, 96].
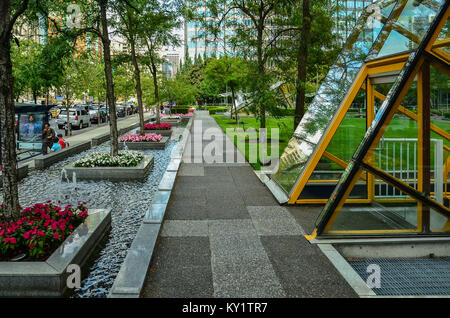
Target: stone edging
[130, 280]
[145, 145]
[48, 278]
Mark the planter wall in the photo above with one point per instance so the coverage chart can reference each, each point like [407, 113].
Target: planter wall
[146, 145]
[173, 122]
[45, 161]
[159, 132]
[117, 174]
[49, 278]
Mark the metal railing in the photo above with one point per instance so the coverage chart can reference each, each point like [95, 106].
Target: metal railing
[398, 157]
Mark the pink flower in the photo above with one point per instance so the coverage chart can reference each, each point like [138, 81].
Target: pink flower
[56, 236]
[151, 137]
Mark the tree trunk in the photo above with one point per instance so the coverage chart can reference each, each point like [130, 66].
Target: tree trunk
[137, 77]
[302, 59]
[234, 106]
[99, 111]
[109, 80]
[69, 126]
[155, 84]
[11, 208]
[261, 71]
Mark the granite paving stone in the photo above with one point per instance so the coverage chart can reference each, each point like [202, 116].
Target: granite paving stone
[225, 235]
[303, 270]
[183, 228]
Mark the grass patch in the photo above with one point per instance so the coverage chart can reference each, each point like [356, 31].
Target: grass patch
[344, 143]
[285, 126]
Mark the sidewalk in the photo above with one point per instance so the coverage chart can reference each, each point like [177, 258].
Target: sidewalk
[224, 235]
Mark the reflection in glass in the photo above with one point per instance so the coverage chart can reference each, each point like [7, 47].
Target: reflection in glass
[380, 214]
[329, 97]
[406, 23]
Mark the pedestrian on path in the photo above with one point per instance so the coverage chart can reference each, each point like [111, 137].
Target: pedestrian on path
[62, 142]
[47, 138]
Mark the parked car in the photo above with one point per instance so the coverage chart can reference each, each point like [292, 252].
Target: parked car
[94, 115]
[121, 111]
[78, 118]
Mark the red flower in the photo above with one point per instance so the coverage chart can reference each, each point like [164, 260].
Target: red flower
[56, 236]
[11, 240]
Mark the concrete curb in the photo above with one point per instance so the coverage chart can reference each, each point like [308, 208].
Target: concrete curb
[344, 268]
[45, 161]
[130, 280]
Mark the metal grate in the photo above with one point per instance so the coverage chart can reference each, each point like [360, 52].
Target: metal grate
[409, 276]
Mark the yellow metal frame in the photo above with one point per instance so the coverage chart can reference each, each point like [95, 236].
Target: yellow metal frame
[368, 158]
[379, 66]
[329, 135]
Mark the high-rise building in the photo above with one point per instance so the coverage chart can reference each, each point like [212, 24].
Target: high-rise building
[200, 43]
[346, 14]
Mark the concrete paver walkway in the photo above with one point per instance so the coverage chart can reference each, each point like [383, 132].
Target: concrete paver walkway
[224, 235]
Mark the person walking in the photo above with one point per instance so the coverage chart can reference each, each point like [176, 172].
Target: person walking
[47, 138]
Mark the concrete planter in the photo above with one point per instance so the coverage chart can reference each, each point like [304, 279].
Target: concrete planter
[117, 174]
[22, 171]
[160, 132]
[173, 122]
[45, 161]
[146, 145]
[49, 278]
[185, 119]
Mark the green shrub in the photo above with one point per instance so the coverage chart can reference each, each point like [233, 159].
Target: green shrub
[180, 110]
[447, 115]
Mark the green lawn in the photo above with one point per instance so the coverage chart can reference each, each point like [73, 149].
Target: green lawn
[344, 143]
[285, 125]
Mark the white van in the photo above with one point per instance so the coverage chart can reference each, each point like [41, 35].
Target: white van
[78, 118]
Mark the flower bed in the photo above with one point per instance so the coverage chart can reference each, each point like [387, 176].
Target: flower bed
[149, 137]
[155, 126]
[104, 159]
[40, 230]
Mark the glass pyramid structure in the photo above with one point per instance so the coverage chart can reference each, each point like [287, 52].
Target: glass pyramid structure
[405, 41]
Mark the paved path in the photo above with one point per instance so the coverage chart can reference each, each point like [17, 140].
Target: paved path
[224, 235]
